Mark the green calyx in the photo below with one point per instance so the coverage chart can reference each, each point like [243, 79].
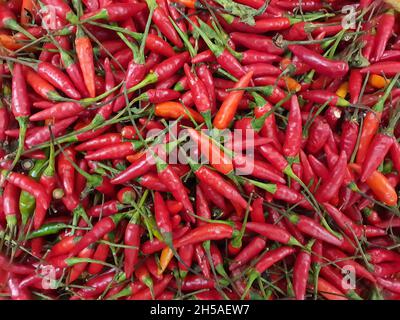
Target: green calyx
[294, 218]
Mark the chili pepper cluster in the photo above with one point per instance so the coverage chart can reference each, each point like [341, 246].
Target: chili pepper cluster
[93, 208]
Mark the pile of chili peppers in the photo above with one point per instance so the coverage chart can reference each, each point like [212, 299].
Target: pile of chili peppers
[91, 207]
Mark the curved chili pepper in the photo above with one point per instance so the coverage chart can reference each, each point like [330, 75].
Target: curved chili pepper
[319, 63]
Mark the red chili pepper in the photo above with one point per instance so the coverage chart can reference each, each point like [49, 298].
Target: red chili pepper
[99, 142]
[324, 96]
[331, 186]
[272, 232]
[106, 209]
[115, 12]
[329, 291]
[41, 86]
[199, 94]
[29, 185]
[392, 285]
[300, 274]
[162, 217]
[10, 204]
[293, 136]
[349, 136]
[100, 254]
[99, 230]
[377, 150]
[42, 134]
[379, 185]
[202, 261]
[389, 68]
[256, 42]
[58, 111]
[317, 136]
[20, 107]
[384, 29]
[64, 246]
[319, 63]
[134, 75]
[209, 231]
[158, 288]
[132, 239]
[267, 260]
[308, 226]
[218, 184]
[58, 79]
[193, 283]
[395, 155]
[66, 170]
[78, 268]
[220, 161]
[342, 260]
[116, 151]
[344, 222]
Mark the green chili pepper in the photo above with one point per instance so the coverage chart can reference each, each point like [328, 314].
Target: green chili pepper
[26, 200]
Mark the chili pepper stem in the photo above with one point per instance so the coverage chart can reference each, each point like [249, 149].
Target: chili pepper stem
[253, 275]
[23, 126]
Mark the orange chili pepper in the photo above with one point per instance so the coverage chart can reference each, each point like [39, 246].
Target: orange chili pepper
[378, 81]
[165, 258]
[187, 3]
[174, 110]
[343, 90]
[227, 111]
[84, 51]
[133, 157]
[292, 84]
[9, 42]
[379, 185]
[213, 153]
[28, 8]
